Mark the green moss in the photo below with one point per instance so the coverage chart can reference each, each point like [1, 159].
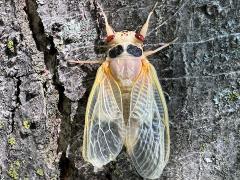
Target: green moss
[117, 172]
[233, 96]
[54, 178]
[40, 172]
[1, 125]
[26, 124]
[202, 148]
[13, 172]
[11, 141]
[17, 163]
[10, 45]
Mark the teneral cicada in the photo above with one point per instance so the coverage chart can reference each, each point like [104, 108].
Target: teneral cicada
[126, 107]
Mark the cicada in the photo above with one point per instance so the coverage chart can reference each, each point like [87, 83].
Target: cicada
[126, 107]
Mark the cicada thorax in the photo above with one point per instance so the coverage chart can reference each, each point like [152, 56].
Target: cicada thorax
[124, 57]
[125, 70]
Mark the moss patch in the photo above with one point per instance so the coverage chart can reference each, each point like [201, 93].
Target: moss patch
[233, 96]
[26, 124]
[39, 172]
[11, 141]
[13, 170]
[10, 45]
[1, 125]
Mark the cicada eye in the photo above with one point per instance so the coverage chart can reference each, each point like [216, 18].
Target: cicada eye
[139, 37]
[115, 51]
[110, 38]
[134, 50]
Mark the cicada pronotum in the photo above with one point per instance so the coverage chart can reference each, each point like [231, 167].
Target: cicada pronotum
[126, 107]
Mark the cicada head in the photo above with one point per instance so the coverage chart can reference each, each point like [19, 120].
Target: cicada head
[125, 53]
[130, 42]
[125, 37]
[132, 37]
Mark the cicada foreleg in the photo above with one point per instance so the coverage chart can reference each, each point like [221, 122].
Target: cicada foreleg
[151, 52]
[85, 62]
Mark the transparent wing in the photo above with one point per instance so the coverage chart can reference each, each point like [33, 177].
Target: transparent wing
[147, 138]
[104, 124]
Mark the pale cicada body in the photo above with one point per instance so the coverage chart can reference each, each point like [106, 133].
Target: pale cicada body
[126, 107]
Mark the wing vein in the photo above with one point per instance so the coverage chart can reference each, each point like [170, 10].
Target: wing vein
[146, 145]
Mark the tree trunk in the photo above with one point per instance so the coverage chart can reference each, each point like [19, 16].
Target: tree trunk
[43, 98]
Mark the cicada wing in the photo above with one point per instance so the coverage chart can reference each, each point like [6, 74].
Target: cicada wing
[147, 138]
[104, 125]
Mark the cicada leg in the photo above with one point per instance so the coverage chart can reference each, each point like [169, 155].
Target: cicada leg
[148, 53]
[86, 62]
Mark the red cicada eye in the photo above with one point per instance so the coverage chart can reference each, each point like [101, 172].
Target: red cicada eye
[110, 38]
[139, 37]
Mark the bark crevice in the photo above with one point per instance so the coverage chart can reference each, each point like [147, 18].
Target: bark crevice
[17, 101]
[46, 45]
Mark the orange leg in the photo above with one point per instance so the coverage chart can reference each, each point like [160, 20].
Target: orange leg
[86, 62]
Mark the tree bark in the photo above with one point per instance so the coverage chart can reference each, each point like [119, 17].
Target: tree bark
[43, 98]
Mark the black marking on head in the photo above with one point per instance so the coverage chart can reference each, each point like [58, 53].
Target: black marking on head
[115, 51]
[134, 50]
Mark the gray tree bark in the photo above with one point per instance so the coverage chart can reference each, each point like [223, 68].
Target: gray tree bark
[43, 98]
